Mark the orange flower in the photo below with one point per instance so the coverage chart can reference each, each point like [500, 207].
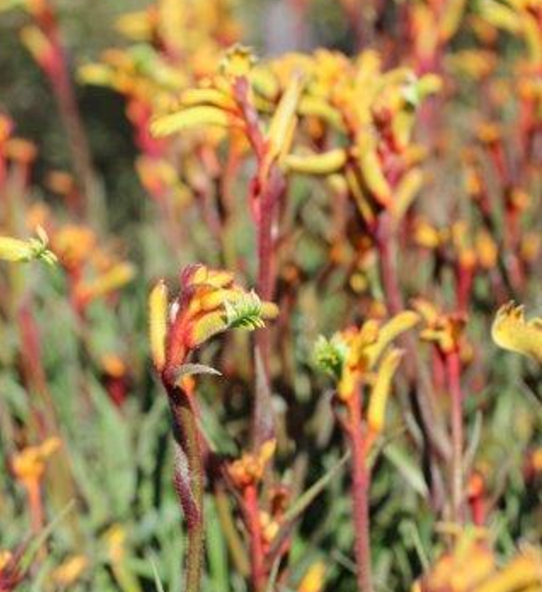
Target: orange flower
[73, 244]
[250, 468]
[28, 465]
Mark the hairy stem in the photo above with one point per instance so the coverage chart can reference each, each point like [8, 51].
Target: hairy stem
[189, 483]
[257, 559]
[361, 479]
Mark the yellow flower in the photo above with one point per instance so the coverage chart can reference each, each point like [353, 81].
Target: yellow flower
[355, 352]
[511, 331]
[70, 571]
[445, 330]
[238, 61]
[314, 578]
[115, 539]
[17, 250]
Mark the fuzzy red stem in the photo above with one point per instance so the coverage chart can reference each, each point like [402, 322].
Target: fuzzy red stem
[361, 479]
[257, 559]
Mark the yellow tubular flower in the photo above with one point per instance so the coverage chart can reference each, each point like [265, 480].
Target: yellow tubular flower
[372, 171]
[393, 328]
[511, 331]
[284, 120]
[37, 44]
[314, 578]
[451, 19]
[70, 571]
[325, 163]
[407, 190]
[207, 96]
[158, 307]
[17, 250]
[198, 116]
[381, 389]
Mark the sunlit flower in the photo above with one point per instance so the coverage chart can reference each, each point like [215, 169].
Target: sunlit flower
[511, 331]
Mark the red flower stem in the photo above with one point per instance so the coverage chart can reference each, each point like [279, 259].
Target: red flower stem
[453, 366]
[191, 497]
[385, 242]
[266, 190]
[36, 506]
[58, 74]
[257, 556]
[361, 479]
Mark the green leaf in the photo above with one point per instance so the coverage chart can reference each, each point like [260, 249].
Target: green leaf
[246, 313]
[329, 355]
[410, 471]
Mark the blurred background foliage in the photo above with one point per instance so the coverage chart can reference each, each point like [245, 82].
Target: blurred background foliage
[116, 459]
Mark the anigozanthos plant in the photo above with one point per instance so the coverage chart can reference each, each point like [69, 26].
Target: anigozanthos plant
[363, 360]
[209, 303]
